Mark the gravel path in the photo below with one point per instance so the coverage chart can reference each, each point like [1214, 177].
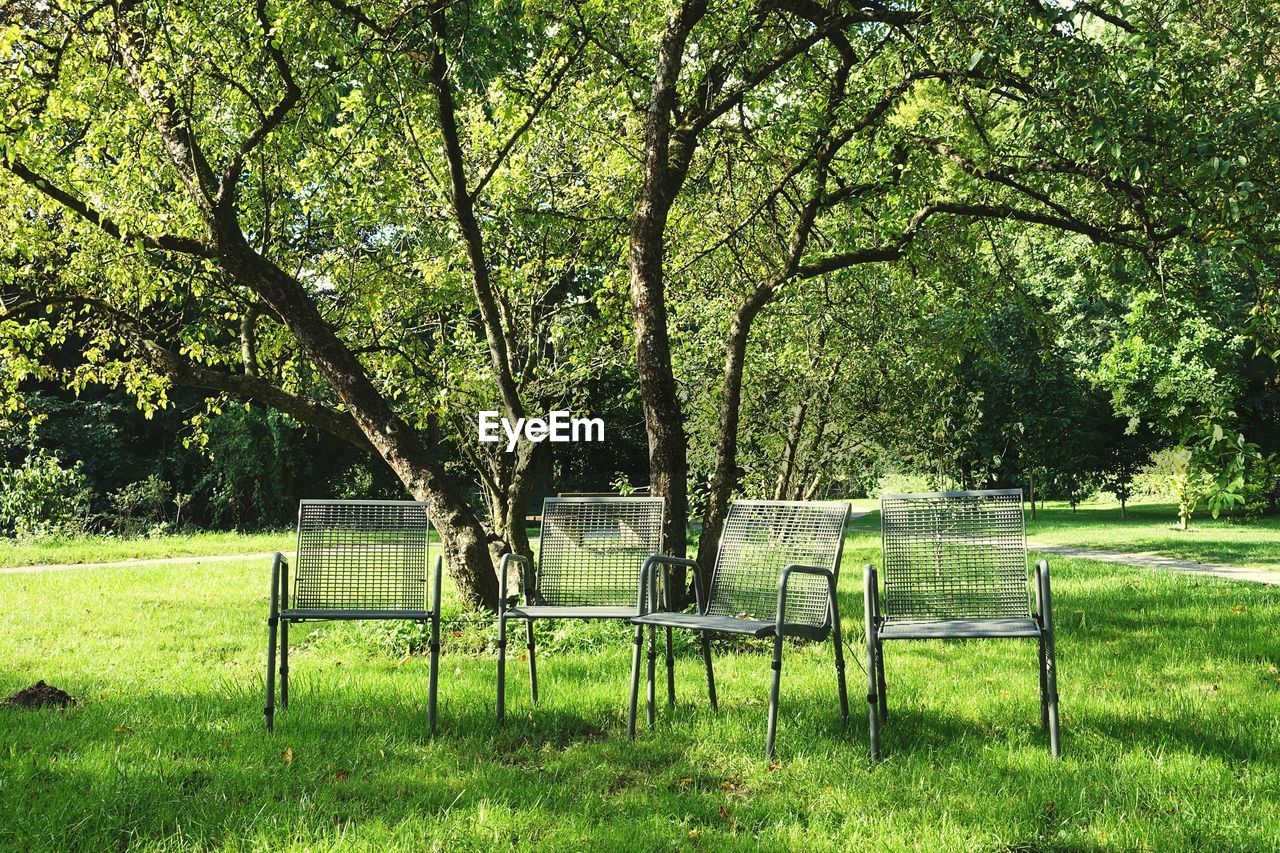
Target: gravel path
[156, 561]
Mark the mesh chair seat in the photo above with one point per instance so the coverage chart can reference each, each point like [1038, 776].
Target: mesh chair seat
[958, 629]
[698, 622]
[589, 559]
[776, 562]
[537, 611]
[356, 560]
[301, 614]
[955, 567]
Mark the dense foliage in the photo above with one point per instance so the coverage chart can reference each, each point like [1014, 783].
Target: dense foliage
[783, 248]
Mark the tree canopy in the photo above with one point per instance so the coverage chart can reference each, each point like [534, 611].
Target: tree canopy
[793, 240]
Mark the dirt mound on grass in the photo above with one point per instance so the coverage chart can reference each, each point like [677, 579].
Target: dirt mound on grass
[39, 695]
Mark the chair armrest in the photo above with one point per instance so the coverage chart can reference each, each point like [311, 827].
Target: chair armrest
[648, 578]
[1044, 596]
[871, 599]
[525, 568]
[277, 563]
[435, 588]
[785, 578]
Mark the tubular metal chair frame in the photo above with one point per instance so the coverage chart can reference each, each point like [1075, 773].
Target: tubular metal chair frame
[655, 586]
[912, 617]
[281, 615]
[550, 591]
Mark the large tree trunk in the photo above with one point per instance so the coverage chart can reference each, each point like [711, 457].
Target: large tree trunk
[663, 418]
[726, 468]
[508, 494]
[782, 487]
[399, 445]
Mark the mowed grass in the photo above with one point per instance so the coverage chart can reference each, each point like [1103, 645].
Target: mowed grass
[1169, 684]
[105, 549]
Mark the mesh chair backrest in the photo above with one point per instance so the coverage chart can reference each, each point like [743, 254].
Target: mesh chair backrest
[592, 549]
[954, 555]
[760, 539]
[361, 555]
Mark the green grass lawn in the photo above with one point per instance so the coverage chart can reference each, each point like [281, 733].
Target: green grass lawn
[105, 549]
[1147, 527]
[1152, 527]
[1169, 684]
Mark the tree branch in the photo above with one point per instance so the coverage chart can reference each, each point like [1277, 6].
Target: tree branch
[81, 208]
[893, 250]
[335, 422]
[292, 95]
[552, 85]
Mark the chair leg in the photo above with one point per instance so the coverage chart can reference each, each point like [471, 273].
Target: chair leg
[1049, 669]
[1044, 687]
[873, 702]
[433, 674]
[635, 682]
[839, 647]
[273, 621]
[269, 710]
[711, 675]
[671, 673]
[772, 728]
[883, 692]
[502, 666]
[840, 681]
[1051, 684]
[651, 698]
[284, 664]
[284, 636]
[531, 645]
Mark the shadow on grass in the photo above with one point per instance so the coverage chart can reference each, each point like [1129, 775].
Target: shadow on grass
[1158, 672]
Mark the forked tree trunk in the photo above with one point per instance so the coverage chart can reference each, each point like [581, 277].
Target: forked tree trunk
[508, 501]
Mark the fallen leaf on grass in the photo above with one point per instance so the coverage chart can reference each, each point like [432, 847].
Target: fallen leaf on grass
[124, 729]
[774, 766]
[287, 755]
[342, 775]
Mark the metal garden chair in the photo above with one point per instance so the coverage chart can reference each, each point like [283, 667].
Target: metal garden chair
[775, 576]
[955, 567]
[356, 560]
[589, 557]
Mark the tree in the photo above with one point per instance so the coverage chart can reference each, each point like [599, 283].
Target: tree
[1022, 113]
[262, 230]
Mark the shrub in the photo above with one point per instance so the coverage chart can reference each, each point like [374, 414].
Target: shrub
[140, 507]
[42, 498]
